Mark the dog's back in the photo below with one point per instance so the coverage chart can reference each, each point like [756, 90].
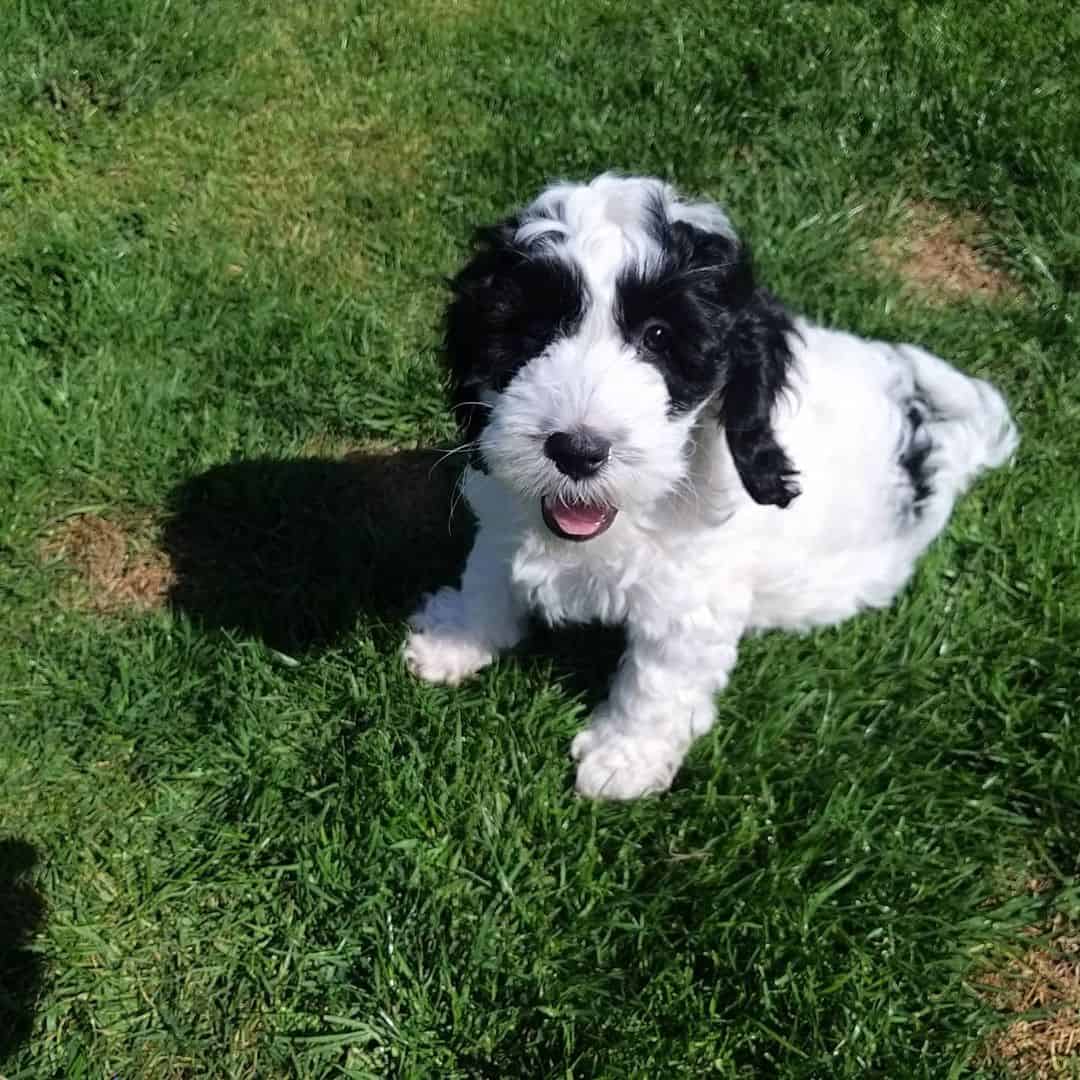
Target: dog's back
[887, 438]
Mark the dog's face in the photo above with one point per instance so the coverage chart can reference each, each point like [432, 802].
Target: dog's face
[590, 335]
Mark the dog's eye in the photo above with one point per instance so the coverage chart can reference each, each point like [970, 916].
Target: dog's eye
[656, 337]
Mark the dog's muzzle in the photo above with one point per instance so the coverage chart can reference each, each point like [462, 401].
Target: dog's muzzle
[578, 454]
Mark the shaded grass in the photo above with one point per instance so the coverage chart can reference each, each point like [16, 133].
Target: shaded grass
[20, 968]
[266, 852]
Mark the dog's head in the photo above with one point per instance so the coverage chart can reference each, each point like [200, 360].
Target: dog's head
[591, 335]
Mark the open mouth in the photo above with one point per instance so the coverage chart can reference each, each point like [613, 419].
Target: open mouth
[576, 521]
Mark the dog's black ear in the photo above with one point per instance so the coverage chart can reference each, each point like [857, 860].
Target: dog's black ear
[468, 318]
[759, 359]
[752, 330]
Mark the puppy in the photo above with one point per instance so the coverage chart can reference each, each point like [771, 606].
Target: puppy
[657, 442]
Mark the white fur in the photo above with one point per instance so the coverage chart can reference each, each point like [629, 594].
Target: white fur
[691, 562]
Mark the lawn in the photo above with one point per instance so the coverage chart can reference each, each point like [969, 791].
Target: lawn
[236, 840]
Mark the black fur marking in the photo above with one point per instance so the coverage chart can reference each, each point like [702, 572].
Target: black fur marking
[508, 305]
[760, 359]
[692, 289]
[725, 335]
[914, 454]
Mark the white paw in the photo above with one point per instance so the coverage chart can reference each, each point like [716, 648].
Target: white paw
[615, 766]
[438, 649]
[441, 657]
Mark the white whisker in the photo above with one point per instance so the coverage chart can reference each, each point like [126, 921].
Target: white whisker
[464, 448]
[455, 501]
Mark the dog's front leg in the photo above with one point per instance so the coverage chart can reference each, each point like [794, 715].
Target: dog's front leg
[660, 701]
[456, 632]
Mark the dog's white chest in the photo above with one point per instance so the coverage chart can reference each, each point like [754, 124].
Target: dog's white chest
[562, 589]
[607, 581]
[581, 583]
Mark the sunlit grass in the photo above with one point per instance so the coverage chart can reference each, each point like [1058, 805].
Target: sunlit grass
[261, 850]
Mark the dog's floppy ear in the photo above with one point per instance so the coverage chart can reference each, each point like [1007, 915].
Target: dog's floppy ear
[758, 361]
[752, 331]
[468, 317]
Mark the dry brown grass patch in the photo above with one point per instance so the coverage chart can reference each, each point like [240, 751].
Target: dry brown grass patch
[116, 566]
[1041, 990]
[936, 254]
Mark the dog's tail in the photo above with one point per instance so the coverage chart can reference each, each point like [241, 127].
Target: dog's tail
[967, 427]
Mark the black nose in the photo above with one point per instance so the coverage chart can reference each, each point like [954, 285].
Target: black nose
[578, 454]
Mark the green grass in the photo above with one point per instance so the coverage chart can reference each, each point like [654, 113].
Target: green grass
[235, 839]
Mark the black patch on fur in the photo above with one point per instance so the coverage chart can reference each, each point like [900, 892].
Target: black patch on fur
[914, 453]
[694, 289]
[509, 303]
[760, 359]
[726, 337]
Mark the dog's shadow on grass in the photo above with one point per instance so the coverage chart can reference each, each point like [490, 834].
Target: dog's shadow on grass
[294, 551]
[22, 915]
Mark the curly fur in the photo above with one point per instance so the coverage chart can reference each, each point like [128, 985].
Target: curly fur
[758, 471]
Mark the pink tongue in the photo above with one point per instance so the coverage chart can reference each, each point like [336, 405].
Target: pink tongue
[578, 520]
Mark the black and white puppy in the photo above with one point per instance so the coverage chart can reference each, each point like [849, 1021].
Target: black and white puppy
[660, 444]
